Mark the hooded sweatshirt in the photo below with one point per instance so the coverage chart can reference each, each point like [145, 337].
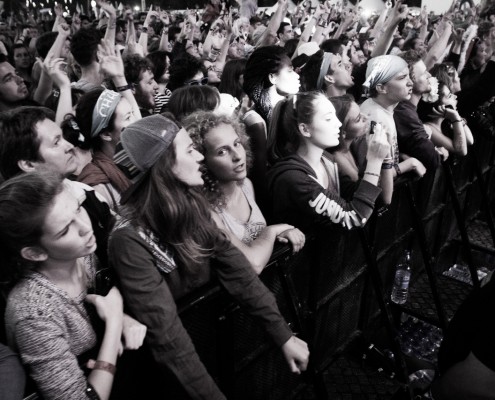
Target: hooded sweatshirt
[298, 199]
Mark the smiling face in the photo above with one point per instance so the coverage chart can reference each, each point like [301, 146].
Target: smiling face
[187, 160]
[325, 126]
[145, 90]
[123, 118]
[67, 230]
[225, 156]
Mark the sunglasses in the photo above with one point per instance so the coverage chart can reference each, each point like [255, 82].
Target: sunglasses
[202, 81]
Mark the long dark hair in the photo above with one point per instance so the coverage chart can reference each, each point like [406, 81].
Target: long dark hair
[284, 137]
[177, 214]
[24, 203]
[230, 78]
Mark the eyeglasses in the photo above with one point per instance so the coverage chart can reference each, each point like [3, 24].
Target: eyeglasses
[202, 81]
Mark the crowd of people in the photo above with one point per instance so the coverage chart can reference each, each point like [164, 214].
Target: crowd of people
[136, 147]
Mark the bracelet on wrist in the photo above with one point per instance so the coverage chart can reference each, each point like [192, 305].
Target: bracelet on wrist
[123, 88]
[371, 173]
[102, 365]
[387, 165]
[144, 30]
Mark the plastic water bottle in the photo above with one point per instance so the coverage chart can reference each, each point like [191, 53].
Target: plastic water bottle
[400, 290]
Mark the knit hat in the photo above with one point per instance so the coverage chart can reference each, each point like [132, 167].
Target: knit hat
[141, 145]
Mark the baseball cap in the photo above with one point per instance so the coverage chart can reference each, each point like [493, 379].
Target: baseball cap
[141, 145]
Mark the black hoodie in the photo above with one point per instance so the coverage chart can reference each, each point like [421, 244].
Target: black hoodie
[298, 199]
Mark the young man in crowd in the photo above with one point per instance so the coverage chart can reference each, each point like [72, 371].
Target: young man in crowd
[388, 82]
[13, 91]
[411, 135]
[139, 74]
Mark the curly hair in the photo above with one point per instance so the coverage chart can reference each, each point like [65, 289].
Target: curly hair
[198, 125]
[134, 66]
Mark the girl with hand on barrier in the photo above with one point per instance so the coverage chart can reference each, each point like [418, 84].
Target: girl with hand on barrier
[225, 146]
[48, 243]
[162, 252]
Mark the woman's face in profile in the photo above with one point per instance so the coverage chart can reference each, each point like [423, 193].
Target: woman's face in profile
[187, 160]
[286, 80]
[355, 123]
[67, 230]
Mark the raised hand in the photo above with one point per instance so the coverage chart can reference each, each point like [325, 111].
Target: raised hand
[107, 7]
[55, 69]
[110, 60]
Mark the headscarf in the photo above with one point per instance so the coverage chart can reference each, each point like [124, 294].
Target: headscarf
[103, 111]
[382, 69]
[325, 64]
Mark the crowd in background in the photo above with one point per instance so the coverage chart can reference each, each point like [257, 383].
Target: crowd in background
[137, 146]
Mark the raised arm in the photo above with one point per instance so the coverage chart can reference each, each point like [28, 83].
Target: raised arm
[399, 12]
[112, 21]
[435, 52]
[275, 21]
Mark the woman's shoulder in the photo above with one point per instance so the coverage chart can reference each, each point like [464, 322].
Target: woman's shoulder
[252, 117]
[33, 297]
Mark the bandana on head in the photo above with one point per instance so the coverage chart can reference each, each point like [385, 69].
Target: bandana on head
[382, 69]
[103, 111]
[325, 64]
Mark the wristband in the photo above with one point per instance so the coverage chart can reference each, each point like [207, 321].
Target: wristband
[387, 165]
[103, 365]
[397, 169]
[123, 88]
[144, 30]
[165, 30]
[371, 173]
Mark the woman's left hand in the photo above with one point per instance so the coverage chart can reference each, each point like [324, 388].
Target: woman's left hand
[295, 237]
[133, 333]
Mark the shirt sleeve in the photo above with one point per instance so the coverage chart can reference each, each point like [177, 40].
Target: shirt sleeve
[413, 139]
[52, 365]
[149, 300]
[324, 207]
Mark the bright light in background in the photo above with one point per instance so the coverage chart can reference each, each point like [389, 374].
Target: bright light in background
[93, 3]
[136, 8]
[65, 14]
[366, 13]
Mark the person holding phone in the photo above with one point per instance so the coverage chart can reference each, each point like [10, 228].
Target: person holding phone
[448, 128]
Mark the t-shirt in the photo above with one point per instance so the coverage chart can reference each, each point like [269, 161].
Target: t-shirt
[377, 113]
